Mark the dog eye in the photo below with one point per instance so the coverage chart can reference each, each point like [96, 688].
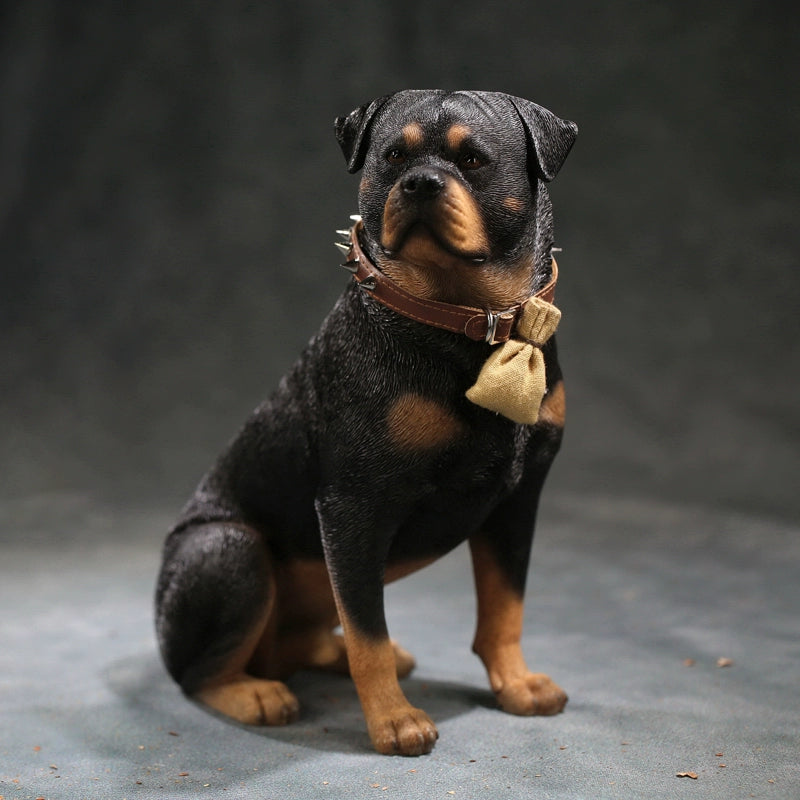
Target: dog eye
[470, 161]
[396, 156]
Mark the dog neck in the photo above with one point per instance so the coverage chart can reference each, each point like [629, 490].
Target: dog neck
[478, 324]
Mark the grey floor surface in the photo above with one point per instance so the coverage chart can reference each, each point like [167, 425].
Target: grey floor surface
[631, 605]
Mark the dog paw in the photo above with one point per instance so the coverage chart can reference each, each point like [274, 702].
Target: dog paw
[408, 732]
[532, 694]
[252, 701]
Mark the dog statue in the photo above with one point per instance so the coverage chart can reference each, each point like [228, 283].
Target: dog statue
[425, 412]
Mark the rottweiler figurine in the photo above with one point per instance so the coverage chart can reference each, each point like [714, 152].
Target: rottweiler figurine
[369, 462]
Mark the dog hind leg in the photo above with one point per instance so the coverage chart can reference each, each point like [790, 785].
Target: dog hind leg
[213, 603]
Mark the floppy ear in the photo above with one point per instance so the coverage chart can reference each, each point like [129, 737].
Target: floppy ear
[549, 138]
[351, 132]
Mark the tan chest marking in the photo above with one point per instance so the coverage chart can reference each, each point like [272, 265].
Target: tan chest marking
[554, 406]
[417, 423]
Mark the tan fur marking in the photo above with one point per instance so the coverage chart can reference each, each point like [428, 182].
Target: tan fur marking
[304, 594]
[422, 266]
[396, 571]
[300, 633]
[514, 204]
[456, 135]
[455, 217]
[394, 725]
[417, 423]
[427, 271]
[413, 135]
[251, 700]
[460, 220]
[497, 641]
[553, 408]
[500, 610]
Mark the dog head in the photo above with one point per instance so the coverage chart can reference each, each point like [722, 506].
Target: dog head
[452, 195]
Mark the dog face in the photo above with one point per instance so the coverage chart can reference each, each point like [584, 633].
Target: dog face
[450, 195]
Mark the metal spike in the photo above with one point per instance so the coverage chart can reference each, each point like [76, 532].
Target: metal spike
[345, 248]
[351, 265]
[556, 249]
[369, 284]
[355, 217]
[344, 233]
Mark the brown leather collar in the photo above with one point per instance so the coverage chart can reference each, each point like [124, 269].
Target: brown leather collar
[475, 323]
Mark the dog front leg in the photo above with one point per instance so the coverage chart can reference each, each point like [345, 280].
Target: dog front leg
[498, 637]
[394, 725]
[356, 566]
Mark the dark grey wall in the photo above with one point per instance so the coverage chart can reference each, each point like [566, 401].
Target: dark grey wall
[170, 183]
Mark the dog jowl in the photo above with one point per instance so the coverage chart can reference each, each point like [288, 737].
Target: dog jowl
[425, 412]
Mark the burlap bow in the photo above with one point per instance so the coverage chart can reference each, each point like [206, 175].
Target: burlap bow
[512, 381]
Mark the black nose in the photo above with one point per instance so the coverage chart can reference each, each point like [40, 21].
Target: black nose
[422, 184]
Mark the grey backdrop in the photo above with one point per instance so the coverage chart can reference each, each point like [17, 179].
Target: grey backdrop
[170, 183]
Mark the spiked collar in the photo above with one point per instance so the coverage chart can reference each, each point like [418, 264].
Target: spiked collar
[488, 325]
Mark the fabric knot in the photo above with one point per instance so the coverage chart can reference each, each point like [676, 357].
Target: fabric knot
[538, 321]
[512, 381]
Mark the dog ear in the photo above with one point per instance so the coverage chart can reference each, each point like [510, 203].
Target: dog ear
[549, 138]
[351, 132]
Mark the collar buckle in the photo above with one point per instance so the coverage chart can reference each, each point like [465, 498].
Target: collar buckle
[493, 319]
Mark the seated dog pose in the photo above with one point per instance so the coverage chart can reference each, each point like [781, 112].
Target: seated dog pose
[425, 412]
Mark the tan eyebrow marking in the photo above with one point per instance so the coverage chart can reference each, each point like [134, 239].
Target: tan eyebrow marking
[413, 135]
[456, 135]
